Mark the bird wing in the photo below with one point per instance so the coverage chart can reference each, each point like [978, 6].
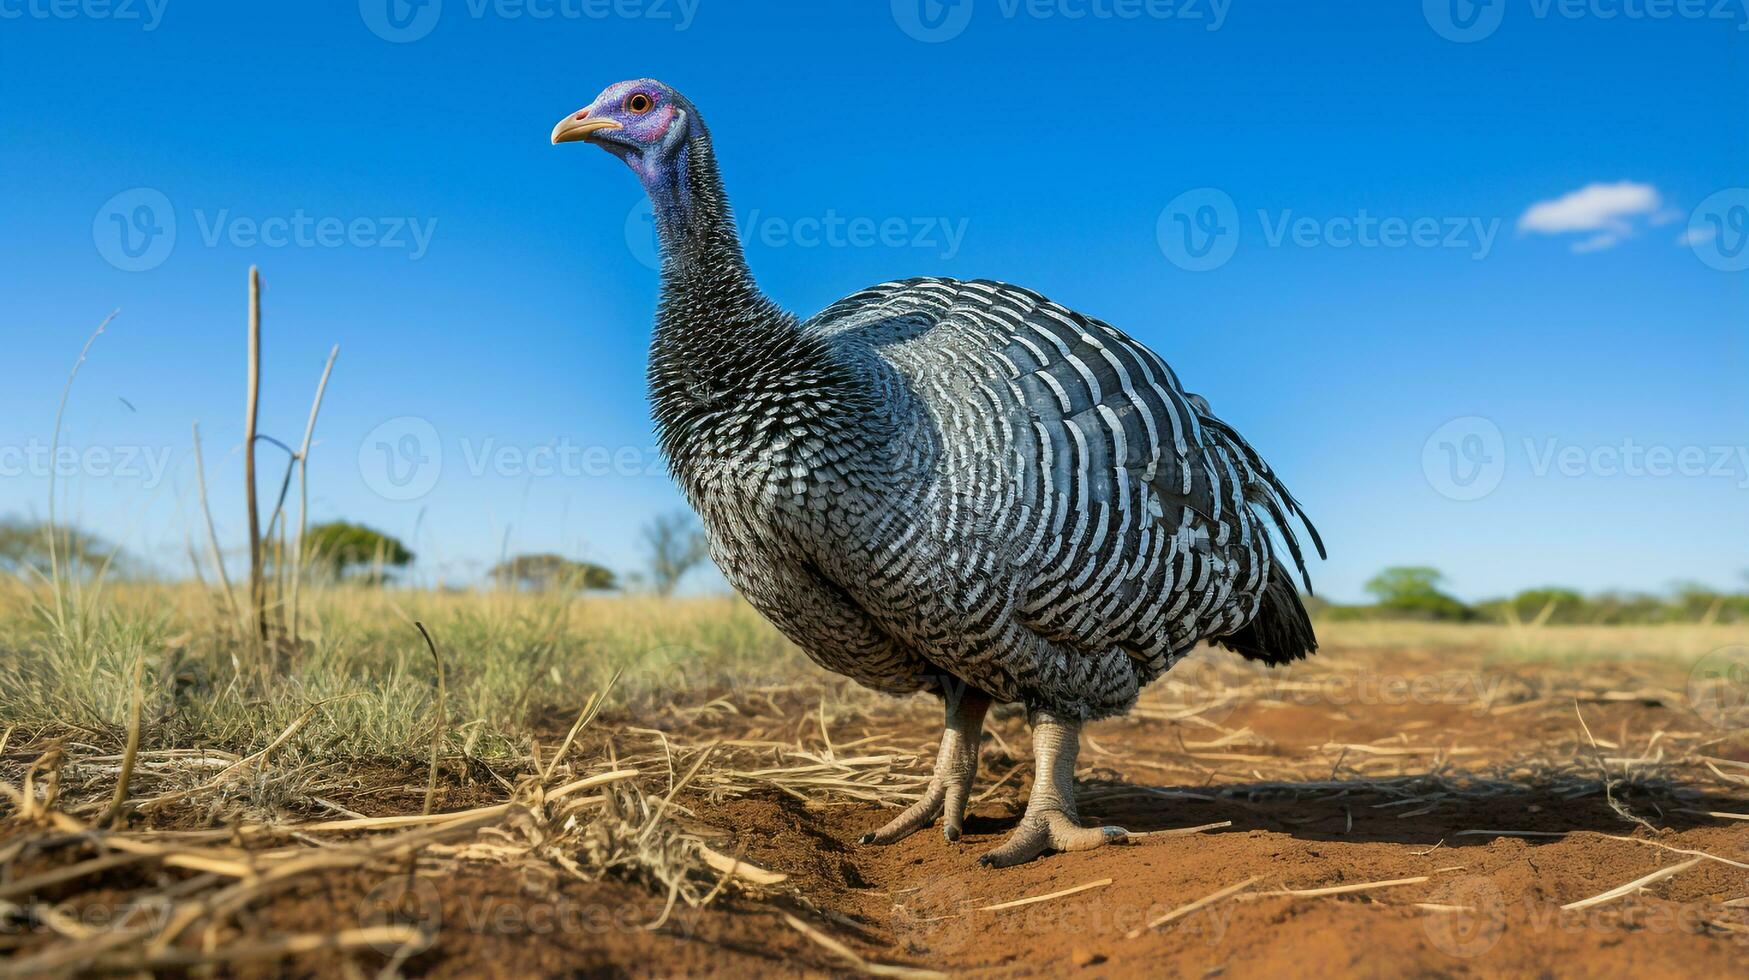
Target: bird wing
[1138, 515]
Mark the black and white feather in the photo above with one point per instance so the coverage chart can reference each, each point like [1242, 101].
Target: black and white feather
[938, 479]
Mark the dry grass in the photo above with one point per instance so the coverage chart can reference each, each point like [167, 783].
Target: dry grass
[511, 658]
[1550, 643]
[155, 690]
[514, 657]
[566, 735]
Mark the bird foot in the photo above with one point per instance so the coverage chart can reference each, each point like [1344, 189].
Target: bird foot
[918, 816]
[1049, 830]
[956, 765]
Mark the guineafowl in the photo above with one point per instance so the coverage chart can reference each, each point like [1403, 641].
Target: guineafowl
[950, 486]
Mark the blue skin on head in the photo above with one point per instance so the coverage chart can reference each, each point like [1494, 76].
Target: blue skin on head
[646, 124]
[651, 126]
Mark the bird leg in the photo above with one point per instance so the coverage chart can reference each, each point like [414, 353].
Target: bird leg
[1050, 821]
[955, 767]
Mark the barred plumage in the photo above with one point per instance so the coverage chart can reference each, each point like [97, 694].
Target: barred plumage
[950, 485]
[1025, 499]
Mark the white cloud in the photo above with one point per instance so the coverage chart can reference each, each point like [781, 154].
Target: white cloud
[1610, 212]
[1597, 242]
[1594, 207]
[1694, 236]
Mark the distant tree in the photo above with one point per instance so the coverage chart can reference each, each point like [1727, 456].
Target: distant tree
[24, 549]
[1413, 592]
[23, 546]
[1558, 605]
[674, 546]
[1622, 608]
[549, 572]
[342, 550]
[1398, 583]
[1695, 601]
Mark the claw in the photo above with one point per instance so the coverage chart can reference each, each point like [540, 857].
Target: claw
[955, 767]
[915, 817]
[1049, 823]
[1049, 830]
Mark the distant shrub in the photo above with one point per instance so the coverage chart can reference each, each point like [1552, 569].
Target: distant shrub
[1543, 605]
[24, 551]
[675, 546]
[352, 550]
[547, 572]
[1412, 592]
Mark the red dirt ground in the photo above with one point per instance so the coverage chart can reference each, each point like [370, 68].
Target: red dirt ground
[1326, 782]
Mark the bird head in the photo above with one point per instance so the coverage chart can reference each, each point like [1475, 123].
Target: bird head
[662, 137]
[643, 122]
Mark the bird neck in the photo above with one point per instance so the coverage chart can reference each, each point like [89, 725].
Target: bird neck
[724, 357]
[714, 325]
[704, 272]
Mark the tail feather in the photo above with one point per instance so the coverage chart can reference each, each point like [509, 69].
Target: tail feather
[1281, 632]
[1272, 494]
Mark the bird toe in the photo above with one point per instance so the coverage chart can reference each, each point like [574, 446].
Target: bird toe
[1050, 831]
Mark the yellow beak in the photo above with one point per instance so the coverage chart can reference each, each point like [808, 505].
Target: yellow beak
[578, 126]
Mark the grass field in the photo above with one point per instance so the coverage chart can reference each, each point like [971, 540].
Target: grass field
[662, 787]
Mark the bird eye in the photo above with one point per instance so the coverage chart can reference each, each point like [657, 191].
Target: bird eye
[639, 103]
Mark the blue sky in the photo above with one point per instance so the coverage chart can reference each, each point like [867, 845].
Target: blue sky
[1468, 276]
